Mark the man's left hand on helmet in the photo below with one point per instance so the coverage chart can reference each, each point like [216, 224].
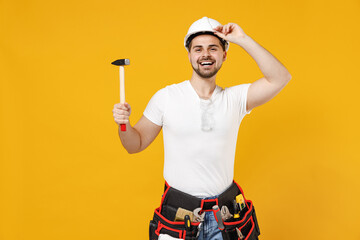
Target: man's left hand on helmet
[230, 32]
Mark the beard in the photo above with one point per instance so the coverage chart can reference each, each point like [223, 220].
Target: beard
[205, 73]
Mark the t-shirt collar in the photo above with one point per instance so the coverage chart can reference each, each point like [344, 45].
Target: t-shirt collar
[213, 95]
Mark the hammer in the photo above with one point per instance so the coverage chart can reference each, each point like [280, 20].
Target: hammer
[122, 63]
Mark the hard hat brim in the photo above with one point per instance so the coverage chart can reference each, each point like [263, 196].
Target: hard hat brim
[190, 37]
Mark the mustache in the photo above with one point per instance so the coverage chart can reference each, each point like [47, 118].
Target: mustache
[206, 59]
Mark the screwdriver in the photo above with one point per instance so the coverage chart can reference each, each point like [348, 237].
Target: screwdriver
[187, 222]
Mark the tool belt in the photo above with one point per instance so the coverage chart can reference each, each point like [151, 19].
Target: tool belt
[173, 199]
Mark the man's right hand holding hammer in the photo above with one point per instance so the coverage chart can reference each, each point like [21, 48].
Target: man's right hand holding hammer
[137, 138]
[121, 113]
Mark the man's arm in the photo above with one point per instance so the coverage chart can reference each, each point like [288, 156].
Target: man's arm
[276, 76]
[137, 138]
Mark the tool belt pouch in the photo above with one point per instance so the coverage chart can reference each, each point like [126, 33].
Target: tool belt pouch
[164, 216]
[244, 228]
[161, 225]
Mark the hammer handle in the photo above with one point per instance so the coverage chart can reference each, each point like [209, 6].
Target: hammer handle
[122, 92]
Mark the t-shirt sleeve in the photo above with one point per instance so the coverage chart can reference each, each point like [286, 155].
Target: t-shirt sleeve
[240, 94]
[155, 109]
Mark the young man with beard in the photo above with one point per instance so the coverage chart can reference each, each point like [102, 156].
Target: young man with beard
[200, 120]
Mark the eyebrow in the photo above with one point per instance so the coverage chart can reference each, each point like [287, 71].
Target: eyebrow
[212, 45]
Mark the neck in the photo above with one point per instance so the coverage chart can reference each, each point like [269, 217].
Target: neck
[204, 87]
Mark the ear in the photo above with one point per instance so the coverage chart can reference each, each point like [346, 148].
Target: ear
[224, 56]
[189, 55]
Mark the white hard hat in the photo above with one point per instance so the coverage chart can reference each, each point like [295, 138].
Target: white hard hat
[203, 26]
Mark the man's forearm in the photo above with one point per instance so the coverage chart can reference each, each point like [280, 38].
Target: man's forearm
[130, 139]
[272, 69]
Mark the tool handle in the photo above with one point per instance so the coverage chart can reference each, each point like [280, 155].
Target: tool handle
[187, 222]
[218, 217]
[122, 93]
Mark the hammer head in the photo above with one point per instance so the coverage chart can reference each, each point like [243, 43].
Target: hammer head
[121, 62]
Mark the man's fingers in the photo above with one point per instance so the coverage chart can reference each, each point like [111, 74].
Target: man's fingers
[222, 31]
[219, 33]
[218, 28]
[228, 28]
[121, 121]
[121, 118]
[121, 109]
[124, 106]
[225, 29]
[121, 112]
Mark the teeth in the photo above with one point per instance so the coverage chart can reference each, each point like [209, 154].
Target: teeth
[206, 63]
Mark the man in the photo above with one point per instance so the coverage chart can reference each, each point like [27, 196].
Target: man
[200, 119]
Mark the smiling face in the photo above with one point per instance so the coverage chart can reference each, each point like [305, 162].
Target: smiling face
[206, 55]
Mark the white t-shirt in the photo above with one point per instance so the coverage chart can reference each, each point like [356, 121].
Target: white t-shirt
[199, 135]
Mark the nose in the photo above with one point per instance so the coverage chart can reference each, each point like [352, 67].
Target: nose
[206, 53]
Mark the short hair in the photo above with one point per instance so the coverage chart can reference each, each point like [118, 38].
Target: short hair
[189, 40]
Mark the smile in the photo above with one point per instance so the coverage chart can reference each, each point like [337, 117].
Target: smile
[206, 63]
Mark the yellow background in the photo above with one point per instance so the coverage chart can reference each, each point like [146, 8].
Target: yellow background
[63, 171]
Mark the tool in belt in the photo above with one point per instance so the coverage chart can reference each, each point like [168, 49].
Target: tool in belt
[241, 225]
